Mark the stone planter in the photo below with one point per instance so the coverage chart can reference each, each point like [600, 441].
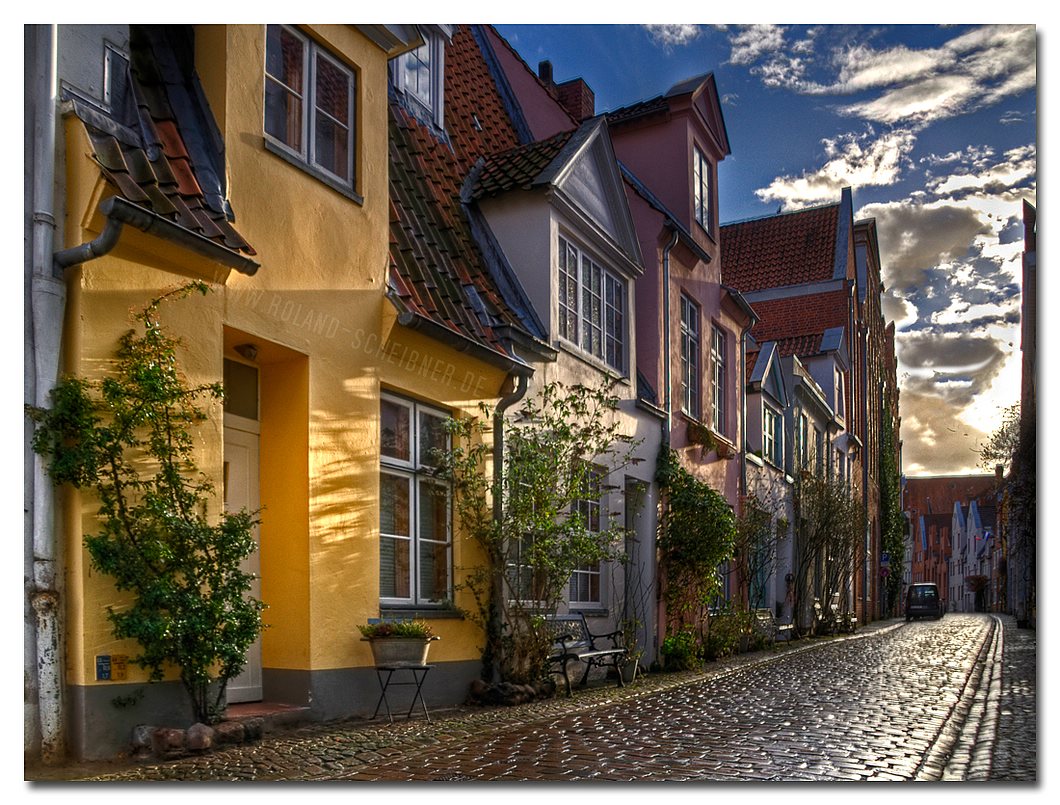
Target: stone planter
[400, 650]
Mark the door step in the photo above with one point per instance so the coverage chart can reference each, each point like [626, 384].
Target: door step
[273, 714]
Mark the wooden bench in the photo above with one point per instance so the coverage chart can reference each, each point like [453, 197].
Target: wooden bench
[767, 625]
[573, 642]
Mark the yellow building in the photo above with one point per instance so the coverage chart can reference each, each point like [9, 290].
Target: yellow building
[255, 158]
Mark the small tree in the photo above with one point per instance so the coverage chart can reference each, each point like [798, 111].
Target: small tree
[129, 438]
[1004, 442]
[755, 552]
[562, 444]
[829, 532]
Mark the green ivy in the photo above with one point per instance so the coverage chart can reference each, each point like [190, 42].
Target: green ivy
[697, 533]
[130, 439]
[892, 521]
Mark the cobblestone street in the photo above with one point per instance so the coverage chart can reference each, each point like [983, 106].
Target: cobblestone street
[948, 700]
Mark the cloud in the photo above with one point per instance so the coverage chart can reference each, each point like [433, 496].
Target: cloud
[852, 161]
[913, 86]
[1018, 170]
[917, 237]
[671, 36]
[751, 42]
[943, 378]
[936, 441]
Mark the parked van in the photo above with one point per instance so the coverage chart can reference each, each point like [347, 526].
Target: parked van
[922, 600]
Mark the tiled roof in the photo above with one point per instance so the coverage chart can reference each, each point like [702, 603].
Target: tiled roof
[436, 268]
[476, 119]
[787, 249]
[162, 162]
[749, 365]
[639, 109]
[518, 167]
[798, 323]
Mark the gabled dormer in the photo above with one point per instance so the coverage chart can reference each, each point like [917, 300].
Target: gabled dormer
[557, 208]
[767, 403]
[674, 143]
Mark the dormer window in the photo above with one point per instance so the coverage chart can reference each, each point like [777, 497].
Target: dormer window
[419, 76]
[701, 189]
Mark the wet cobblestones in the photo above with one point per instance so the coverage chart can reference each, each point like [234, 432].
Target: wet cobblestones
[953, 699]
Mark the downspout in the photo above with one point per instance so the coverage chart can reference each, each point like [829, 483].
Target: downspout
[660, 569]
[666, 338]
[494, 624]
[47, 301]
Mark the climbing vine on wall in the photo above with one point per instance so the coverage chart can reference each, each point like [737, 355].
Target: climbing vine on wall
[130, 438]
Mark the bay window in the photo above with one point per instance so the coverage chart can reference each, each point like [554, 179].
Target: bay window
[592, 306]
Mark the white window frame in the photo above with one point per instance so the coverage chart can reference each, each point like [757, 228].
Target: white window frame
[306, 155]
[607, 339]
[590, 507]
[719, 409]
[702, 184]
[772, 437]
[416, 469]
[691, 358]
[434, 49]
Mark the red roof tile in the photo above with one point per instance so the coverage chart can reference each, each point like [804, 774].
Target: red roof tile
[797, 323]
[517, 167]
[787, 249]
[436, 269]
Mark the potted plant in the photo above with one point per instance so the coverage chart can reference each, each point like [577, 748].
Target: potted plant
[394, 642]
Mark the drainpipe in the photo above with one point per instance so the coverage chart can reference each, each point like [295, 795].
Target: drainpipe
[494, 624]
[47, 301]
[666, 338]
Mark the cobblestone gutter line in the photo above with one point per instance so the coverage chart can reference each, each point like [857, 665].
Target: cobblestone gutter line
[950, 756]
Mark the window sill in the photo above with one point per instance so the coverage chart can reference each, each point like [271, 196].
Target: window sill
[563, 345]
[420, 613]
[316, 173]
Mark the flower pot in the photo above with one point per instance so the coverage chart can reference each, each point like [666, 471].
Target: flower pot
[629, 672]
[400, 650]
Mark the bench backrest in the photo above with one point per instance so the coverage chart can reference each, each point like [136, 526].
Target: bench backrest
[572, 626]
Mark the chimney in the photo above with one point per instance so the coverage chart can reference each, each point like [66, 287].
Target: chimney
[544, 72]
[574, 95]
[999, 472]
[577, 99]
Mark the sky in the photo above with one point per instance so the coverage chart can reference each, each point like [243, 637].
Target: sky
[934, 128]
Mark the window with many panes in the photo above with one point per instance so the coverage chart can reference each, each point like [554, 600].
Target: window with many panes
[718, 379]
[772, 439]
[592, 306]
[690, 361]
[701, 182]
[802, 441]
[419, 76]
[415, 507]
[585, 580]
[310, 105]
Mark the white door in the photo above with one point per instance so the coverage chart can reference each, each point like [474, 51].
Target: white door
[241, 491]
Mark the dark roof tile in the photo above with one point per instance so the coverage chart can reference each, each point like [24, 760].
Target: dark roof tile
[152, 166]
[436, 268]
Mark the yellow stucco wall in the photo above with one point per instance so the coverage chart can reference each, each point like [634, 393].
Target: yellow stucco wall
[326, 343]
